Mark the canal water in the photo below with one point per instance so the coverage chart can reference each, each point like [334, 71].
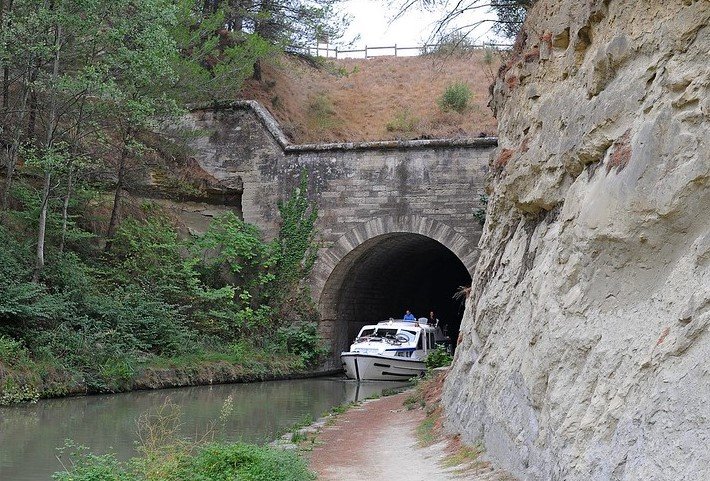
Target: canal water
[31, 434]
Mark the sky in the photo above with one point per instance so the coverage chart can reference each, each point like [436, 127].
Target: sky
[370, 19]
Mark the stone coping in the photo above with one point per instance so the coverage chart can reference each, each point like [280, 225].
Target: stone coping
[272, 125]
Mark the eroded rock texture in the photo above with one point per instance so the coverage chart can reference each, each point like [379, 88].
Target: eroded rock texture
[585, 352]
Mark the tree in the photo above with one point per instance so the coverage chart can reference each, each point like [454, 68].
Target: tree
[460, 19]
[138, 59]
[80, 68]
[511, 14]
[213, 60]
[17, 66]
[287, 23]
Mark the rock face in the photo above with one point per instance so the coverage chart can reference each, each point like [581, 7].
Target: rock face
[584, 351]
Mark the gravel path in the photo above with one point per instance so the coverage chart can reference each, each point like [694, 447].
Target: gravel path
[377, 442]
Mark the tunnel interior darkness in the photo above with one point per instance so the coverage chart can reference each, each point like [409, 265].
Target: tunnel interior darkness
[390, 273]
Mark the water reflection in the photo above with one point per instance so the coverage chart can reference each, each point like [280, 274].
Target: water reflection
[29, 435]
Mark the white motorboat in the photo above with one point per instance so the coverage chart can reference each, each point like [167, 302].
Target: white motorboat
[391, 350]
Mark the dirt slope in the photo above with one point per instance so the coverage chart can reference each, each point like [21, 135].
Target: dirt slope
[375, 99]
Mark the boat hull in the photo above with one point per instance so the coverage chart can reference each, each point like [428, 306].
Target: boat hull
[371, 367]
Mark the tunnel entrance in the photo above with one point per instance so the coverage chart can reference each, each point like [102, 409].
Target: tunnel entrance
[387, 274]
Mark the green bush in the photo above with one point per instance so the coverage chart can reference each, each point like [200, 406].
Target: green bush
[24, 303]
[456, 97]
[404, 121]
[12, 352]
[215, 462]
[480, 213]
[438, 358]
[93, 319]
[304, 341]
[244, 462]
[148, 253]
[80, 465]
[321, 113]
[13, 391]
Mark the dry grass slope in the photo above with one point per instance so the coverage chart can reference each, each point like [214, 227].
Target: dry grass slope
[383, 98]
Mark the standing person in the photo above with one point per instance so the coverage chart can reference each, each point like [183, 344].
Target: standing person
[408, 316]
[432, 319]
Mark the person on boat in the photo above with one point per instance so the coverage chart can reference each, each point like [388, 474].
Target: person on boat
[408, 316]
[432, 319]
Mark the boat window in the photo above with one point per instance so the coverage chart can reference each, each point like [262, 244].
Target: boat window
[385, 332]
[366, 332]
[419, 343]
[408, 334]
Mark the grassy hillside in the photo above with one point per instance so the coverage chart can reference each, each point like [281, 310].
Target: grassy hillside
[376, 99]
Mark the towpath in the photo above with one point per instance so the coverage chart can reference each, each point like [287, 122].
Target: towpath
[377, 441]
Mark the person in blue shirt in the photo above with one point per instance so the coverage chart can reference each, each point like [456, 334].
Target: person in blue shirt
[408, 316]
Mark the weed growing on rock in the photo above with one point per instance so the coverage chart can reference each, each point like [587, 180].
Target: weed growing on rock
[480, 213]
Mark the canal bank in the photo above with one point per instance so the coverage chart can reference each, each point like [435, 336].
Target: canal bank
[35, 380]
[397, 438]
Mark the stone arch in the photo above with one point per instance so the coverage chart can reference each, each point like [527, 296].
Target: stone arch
[372, 255]
[464, 248]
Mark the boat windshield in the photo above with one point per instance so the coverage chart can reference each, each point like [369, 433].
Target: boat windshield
[381, 332]
[411, 335]
[388, 333]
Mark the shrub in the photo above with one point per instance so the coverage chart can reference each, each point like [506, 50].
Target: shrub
[304, 341]
[149, 254]
[215, 462]
[480, 213]
[321, 113]
[438, 358]
[80, 465]
[296, 250]
[13, 391]
[23, 303]
[12, 352]
[456, 97]
[403, 121]
[247, 462]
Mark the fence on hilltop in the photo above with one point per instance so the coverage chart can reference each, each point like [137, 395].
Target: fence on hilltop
[325, 50]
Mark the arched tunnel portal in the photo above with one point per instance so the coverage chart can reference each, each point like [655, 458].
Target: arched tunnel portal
[387, 274]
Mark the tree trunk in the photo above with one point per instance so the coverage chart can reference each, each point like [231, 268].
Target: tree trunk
[257, 71]
[49, 141]
[39, 261]
[5, 87]
[70, 173]
[115, 212]
[5, 68]
[32, 119]
[12, 152]
[11, 157]
[65, 208]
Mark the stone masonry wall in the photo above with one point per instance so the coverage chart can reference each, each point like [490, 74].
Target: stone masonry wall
[430, 187]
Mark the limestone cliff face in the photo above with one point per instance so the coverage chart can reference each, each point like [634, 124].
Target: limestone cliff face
[584, 352]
